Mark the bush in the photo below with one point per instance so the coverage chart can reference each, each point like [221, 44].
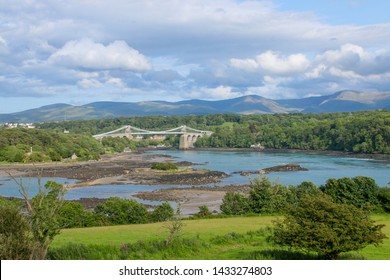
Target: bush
[162, 212]
[234, 204]
[267, 197]
[164, 166]
[120, 211]
[384, 199]
[204, 212]
[358, 191]
[72, 215]
[15, 241]
[318, 224]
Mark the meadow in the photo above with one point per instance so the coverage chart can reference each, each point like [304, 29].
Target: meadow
[233, 238]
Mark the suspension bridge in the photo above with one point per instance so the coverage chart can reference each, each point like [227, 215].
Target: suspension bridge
[188, 135]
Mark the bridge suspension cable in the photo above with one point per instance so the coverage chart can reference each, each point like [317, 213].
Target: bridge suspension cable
[132, 130]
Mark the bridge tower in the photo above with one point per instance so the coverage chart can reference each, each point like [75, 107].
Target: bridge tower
[187, 139]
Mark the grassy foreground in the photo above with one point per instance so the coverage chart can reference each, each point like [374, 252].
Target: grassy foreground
[225, 238]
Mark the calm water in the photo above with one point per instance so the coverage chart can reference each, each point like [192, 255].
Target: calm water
[320, 169]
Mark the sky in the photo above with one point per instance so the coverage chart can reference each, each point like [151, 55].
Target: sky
[82, 51]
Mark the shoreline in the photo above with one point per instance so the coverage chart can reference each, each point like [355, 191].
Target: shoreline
[134, 168]
[297, 151]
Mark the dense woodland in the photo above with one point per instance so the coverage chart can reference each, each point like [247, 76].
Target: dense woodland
[38, 145]
[360, 132]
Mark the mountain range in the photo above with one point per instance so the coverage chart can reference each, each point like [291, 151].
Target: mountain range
[343, 101]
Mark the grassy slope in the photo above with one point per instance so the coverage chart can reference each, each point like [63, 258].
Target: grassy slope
[204, 230]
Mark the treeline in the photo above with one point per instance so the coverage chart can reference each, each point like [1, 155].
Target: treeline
[266, 197]
[37, 145]
[360, 132]
[115, 211]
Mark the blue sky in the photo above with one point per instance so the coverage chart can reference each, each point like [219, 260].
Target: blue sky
[81, 51]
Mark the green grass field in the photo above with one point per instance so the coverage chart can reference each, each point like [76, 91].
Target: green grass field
[225, 238]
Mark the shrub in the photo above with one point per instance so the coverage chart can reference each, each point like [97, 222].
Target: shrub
[358, 191]
[72, 215]
[384, 199]
[204, 212]
[15, 241]
[234, 204]
[267, 197]
[164, 166]
[123, 211]
[318, 224]
[162, 212]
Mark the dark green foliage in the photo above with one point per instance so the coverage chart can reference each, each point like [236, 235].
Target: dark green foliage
[115, 144]
[162, 212]
[303, 189]
[120, 211]
[318, 224]
[360, 132]
[267, 197]
[16, 145]
[234, 204]
[15, 239]
[384, 199]
[359, 191]
[43, 216]
[27, 233]
[73, 214]
[164, 166]
[204, 212]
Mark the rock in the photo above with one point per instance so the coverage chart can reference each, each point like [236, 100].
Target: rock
[277, 168]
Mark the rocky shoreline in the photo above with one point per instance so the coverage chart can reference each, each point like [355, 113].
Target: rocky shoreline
[277, 168]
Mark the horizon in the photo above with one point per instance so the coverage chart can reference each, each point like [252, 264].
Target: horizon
[194, 99]
[80, 52]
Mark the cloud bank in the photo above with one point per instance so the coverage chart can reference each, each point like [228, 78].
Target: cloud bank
[83, 51]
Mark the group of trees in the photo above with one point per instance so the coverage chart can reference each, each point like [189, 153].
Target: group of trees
[114, 211]
[266, 197]
[361, 132]
[329, 220]
[37, 145]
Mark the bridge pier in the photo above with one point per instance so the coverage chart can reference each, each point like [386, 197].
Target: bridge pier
[187, 140]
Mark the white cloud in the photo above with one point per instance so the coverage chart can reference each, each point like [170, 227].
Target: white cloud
[90, 55]
[273, 63]
[194, 48]
[220, 92]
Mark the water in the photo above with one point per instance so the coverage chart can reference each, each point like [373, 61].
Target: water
[320, 168]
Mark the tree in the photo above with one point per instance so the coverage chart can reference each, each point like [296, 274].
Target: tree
[162, 212]
[43, 216]
[384, 199]
[120, 211]
[359, 191]
[234, 203]
[27, 233]
[15, 239]
[318, 224]
[204, 212]
[267, 197]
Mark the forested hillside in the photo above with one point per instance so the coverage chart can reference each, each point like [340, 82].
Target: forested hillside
[38, 145]
[360, 132]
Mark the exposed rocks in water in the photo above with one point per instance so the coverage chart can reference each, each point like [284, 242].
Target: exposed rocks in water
[277, 168]
[188, 194]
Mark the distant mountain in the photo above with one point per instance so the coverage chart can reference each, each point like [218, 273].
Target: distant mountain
[343, 101]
